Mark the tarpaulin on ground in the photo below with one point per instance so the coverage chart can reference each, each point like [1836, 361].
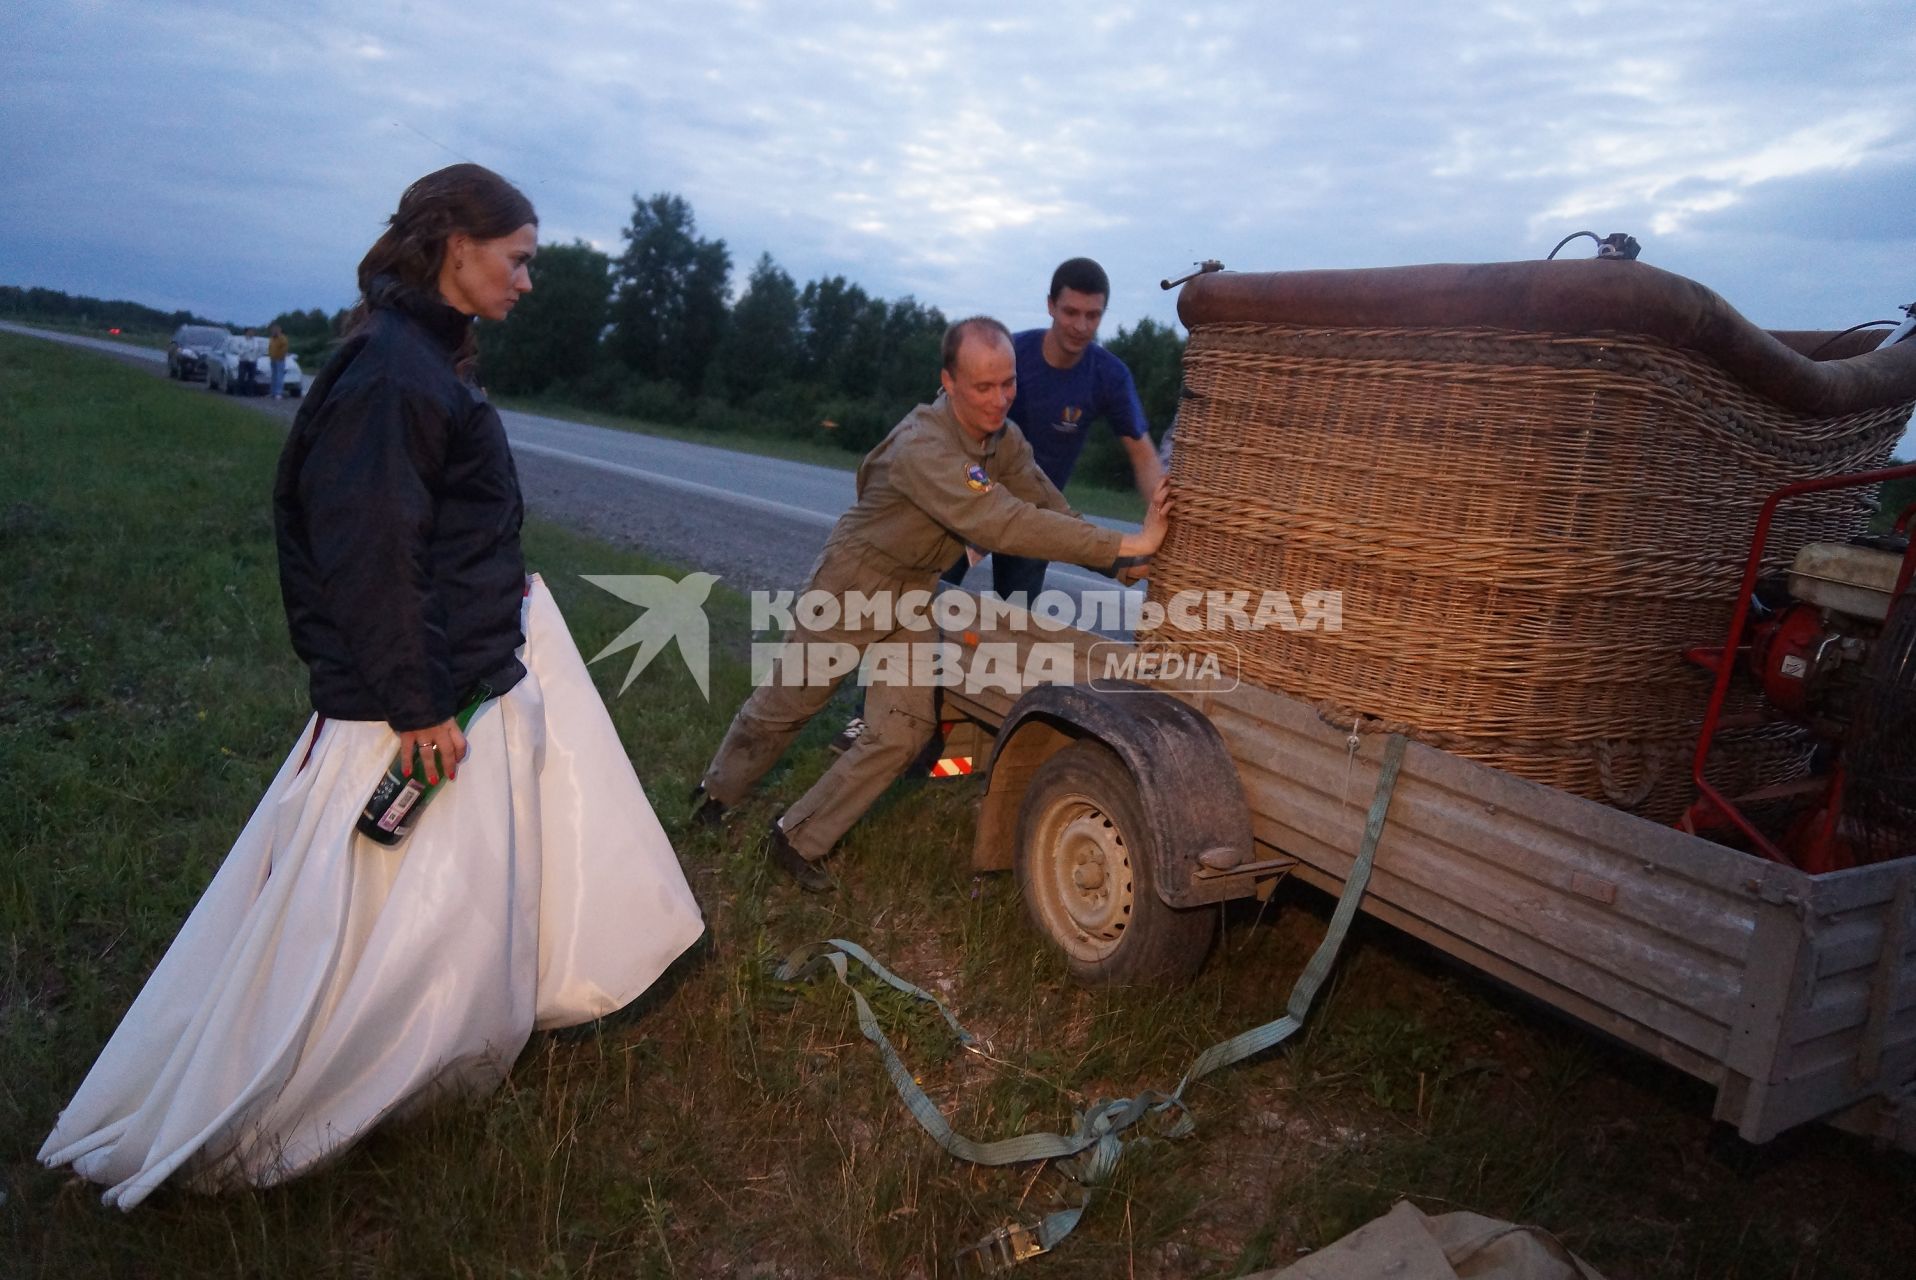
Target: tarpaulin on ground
[1405, 1244]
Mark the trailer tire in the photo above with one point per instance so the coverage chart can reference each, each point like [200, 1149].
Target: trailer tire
[1085, 866]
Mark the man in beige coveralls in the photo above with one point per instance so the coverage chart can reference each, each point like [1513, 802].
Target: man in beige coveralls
[948, 474]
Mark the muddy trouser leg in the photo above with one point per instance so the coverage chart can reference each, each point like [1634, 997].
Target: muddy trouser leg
[764, 727]
[952, 577]
[900, 719]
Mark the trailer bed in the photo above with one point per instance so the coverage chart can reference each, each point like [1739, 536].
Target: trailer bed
[1794, 995]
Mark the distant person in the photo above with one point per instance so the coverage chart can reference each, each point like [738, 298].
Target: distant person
[947, 475]
[276, 347]
[325, 981]
[250, 350]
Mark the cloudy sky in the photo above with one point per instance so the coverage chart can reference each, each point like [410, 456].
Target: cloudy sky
[236, 159]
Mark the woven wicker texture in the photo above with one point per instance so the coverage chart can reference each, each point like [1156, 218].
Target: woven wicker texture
[1526, 530]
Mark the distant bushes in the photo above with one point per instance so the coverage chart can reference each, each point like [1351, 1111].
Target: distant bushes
[51, 306]
[653, 334]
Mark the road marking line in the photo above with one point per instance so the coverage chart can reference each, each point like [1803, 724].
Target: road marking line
[805, 515]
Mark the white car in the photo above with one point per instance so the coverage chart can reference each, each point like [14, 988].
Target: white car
[240, 368]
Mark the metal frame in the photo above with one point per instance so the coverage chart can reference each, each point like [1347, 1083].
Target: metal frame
[1724, 660]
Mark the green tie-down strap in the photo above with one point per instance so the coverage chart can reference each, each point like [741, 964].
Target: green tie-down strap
[1090, 1153]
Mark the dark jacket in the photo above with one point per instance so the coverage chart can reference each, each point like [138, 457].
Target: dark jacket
[397, 512]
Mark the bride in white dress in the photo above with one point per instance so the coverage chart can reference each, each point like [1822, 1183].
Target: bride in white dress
[325, 982]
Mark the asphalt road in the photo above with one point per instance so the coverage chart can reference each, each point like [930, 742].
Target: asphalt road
[756, 522]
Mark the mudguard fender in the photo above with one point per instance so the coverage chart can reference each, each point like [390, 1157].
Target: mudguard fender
[1187, 785]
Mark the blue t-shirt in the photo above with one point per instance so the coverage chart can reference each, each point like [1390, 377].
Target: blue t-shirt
[1055, 407]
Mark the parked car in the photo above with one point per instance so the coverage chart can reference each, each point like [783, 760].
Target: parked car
[186, 355]
[240, 368]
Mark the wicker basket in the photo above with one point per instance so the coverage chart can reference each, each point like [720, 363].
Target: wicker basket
[1526, 528]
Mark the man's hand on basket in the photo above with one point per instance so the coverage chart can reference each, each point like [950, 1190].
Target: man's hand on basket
[1157, 521]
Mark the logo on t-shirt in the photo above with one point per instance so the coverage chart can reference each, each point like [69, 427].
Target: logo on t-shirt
[1069, 419]
[975, 477]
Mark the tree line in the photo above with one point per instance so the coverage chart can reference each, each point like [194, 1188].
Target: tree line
[55, 307]
[655, 333]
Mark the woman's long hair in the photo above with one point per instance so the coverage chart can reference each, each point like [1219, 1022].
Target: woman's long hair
[467, 198]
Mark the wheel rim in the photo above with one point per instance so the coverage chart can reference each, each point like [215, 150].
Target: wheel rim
[1083, 886]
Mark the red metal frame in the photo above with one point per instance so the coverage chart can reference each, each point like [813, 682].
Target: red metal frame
[1725, 659]
[1902, 525]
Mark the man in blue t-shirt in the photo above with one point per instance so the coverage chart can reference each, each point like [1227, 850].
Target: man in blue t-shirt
[1066, 382]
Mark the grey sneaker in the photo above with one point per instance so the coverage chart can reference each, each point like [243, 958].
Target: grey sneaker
[810, 876]
[853, 730]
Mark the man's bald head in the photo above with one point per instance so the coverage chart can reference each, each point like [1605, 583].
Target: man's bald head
[975, 329]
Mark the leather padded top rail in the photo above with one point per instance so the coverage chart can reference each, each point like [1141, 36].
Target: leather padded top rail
[1578, 297]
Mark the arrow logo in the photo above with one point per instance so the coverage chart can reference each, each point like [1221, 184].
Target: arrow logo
[674, 611]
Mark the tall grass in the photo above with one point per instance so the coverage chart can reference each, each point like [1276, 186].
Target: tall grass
[729, 1124]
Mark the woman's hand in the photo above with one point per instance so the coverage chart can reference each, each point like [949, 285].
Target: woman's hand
[1157, 521]
[442, 746]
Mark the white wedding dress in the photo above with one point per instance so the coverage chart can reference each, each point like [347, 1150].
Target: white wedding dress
[325, 982]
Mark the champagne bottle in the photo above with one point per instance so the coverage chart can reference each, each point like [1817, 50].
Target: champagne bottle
[397, 801]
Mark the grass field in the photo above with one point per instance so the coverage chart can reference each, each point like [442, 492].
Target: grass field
[730, 1124]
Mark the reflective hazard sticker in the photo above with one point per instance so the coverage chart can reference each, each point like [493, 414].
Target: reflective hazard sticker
[975, 477]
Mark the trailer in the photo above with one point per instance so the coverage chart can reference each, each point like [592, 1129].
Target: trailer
[1127, 808]
[1794, 995]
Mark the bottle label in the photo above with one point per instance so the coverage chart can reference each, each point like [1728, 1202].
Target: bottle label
[402, 805]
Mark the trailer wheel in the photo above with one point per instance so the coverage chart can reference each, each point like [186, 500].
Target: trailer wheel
[1085, 864]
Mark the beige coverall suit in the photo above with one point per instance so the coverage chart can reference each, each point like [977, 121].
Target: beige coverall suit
[923, 493]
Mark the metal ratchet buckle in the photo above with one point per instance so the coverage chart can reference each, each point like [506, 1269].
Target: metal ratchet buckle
[1003, 1249]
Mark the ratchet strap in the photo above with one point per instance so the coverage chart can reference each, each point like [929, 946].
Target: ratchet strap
[1090, 1153]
